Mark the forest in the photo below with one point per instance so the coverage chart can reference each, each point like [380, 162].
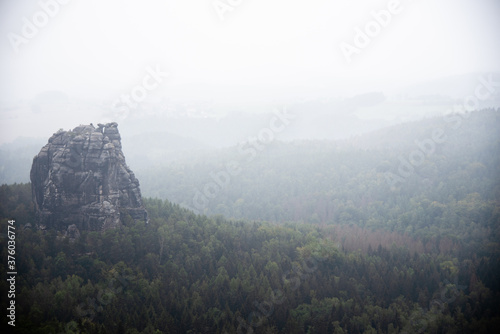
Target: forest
[356, 182]
[309, 237]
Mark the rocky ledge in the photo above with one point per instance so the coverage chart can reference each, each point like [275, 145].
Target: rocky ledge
[80, 178]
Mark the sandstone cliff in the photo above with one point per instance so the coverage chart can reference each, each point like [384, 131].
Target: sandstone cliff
[80, 177]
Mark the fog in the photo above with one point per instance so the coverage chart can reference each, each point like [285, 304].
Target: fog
[279, 166]
[208, 62]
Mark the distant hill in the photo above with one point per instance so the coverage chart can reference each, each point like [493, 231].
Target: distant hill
[332, 182]
[16, 158]
[480, 128]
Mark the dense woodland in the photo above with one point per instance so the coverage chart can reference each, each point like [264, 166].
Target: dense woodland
[356, 183]
[318, 239]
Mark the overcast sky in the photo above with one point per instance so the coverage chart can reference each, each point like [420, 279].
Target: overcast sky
[98, 49]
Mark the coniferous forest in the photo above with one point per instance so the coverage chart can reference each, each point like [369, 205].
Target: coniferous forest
[250, 167]
[310, 237]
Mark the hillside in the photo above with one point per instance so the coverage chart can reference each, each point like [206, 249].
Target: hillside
[319, 237]
[184, 273]
[367, 181]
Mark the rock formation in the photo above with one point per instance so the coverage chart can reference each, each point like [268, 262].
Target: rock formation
[80, 178]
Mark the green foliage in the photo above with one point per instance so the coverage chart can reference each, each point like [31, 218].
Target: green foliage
[345, 183]
[214, 273]
[360, 257]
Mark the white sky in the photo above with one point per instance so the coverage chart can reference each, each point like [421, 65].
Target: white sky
[100, 48]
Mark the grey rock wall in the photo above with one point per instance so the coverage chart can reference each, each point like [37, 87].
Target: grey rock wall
[80, 178]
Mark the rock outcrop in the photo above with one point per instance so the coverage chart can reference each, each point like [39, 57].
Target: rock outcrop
[80, 178]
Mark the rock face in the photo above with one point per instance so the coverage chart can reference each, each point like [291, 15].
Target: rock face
[80, 178]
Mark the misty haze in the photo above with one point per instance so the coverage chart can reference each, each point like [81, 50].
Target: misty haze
[232, 166]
